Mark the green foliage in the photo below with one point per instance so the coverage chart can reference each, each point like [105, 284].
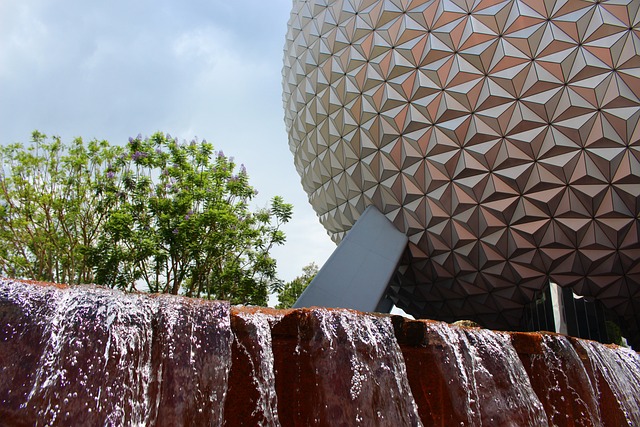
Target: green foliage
[49, 214]
[289, 293]
[614, 333]
[173, 217]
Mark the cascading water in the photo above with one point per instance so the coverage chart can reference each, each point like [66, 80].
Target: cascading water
[356, 359]
[252, 398]
[562, 382]
[90, 356]
[497, 380]
[192, 358]
[477, 376]
[100, 357]
[90, 334]
[615, 373]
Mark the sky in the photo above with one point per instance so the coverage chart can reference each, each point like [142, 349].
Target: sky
[197, 68]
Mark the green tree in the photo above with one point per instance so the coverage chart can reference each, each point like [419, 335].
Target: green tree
[181, 222]
[291, 291]
[49, 214]
[158, 215]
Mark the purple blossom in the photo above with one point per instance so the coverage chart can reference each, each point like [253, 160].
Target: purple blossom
[243, 170]
[158, 151]
[220, 153]
[137, 138]
[111, 175]
[188, 215]
[138, 155]
[175, 231]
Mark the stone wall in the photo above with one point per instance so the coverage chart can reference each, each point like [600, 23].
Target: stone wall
[91, 356]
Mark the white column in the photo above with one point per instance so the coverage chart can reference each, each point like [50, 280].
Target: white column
[558, 308]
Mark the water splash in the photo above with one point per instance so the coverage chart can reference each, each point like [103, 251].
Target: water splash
[100, 356]
[615, 372]
[359, 369]
[91, 356]
[252, 396]
[487, 383]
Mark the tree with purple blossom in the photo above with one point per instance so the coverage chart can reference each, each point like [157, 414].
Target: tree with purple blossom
[185, 225]
[51, 209]
[155, 214]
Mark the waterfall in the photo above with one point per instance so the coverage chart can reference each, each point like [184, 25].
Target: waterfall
[91, 356]
[357, 371]
[615, 373]
[252, 398]
[471, 377]
[559, 378]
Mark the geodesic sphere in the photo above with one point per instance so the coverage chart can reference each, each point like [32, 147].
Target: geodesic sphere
[501, 136]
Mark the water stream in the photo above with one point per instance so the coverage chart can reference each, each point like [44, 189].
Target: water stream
[100, 357]
[487, 382]
[91, 356]
[616, 371]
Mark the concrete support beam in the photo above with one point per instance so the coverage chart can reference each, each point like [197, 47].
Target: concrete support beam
[358, 272]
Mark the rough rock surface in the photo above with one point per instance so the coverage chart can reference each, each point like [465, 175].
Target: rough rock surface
[91, 356]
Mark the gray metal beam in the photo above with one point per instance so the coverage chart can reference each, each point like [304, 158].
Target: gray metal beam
[357, 273]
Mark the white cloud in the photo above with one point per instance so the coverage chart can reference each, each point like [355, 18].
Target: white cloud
[206, 68]
[208, 45]
[22, 38]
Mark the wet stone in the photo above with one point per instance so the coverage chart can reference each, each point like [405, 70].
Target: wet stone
[94, 356]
